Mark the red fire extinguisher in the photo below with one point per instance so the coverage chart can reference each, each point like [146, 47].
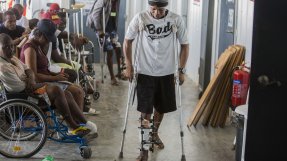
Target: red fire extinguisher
[240, 87]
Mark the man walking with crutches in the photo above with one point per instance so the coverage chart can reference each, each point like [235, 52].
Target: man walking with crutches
[103, 18]
[155, 63]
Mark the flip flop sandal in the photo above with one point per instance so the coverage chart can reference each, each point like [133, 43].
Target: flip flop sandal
[158, 143]
[143, 156]
[92, 112]
[115, 83]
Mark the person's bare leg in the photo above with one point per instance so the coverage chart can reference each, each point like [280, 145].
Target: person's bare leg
[74, 108]
[157, 121]
[118, 56]
[78, 95]
[78, 115]
[110, 67]
[57, 97]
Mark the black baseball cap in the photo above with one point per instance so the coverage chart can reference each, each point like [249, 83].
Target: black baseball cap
[159, 3]
[48, 28]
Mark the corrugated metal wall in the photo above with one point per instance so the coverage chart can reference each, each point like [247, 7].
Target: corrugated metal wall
[245, 26]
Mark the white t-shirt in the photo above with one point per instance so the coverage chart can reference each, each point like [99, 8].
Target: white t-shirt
[23, 21]
[13, 74]
[156, 47]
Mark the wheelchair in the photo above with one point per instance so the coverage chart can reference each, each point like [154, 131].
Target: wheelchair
[27, 122]
[86, 73]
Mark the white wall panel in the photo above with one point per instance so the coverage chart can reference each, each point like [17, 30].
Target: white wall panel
[178, 7]
[215, 36]
[195, 37]
[245, 26]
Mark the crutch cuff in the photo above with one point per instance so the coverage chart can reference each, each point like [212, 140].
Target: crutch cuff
[174, 28]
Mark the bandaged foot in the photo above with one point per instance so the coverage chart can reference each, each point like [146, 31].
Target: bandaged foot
[114, 82]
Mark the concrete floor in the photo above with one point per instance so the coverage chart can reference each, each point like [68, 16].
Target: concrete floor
[201, 143]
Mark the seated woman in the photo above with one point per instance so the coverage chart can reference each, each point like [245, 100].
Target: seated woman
[34, 57]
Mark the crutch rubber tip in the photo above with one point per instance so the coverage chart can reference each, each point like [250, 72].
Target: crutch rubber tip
[183, 158]
[121, 155]
[181, 134]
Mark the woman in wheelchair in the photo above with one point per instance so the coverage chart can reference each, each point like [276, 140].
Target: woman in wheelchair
[35, 58]
[17, 77]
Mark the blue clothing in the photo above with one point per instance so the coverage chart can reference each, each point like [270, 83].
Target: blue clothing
[109, 36]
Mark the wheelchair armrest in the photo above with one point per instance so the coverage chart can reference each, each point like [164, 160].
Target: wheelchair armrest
[16, 95]
[30, 97]
[40, 102]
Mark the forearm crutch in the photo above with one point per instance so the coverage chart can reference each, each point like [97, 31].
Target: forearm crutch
[78, 51]
[64, 48]
[131, 95]
[69, 45]
[76, 28]
[101, 42]
[178, 89]
[68, 34]
[132, 89]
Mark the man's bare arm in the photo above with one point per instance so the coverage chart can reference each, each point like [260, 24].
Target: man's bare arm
[56, 57]
[127, 49]
[184, 52]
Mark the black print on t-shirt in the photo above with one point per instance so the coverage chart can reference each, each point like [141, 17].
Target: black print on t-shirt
[159, 32]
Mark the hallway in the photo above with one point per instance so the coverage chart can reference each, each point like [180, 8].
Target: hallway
[201, 144]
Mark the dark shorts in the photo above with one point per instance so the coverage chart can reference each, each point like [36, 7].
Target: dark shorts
[156, 92]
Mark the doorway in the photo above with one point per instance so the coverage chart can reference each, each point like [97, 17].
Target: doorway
[266, 138]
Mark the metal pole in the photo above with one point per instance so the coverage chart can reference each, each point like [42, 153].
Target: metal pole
[178, 89]
[68, 32]
[82, 22]
[131, 94]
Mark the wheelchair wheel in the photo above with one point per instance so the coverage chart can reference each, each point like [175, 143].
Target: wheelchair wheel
[25, 129]
[5, 130]
[86, 152]
[96, 95]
